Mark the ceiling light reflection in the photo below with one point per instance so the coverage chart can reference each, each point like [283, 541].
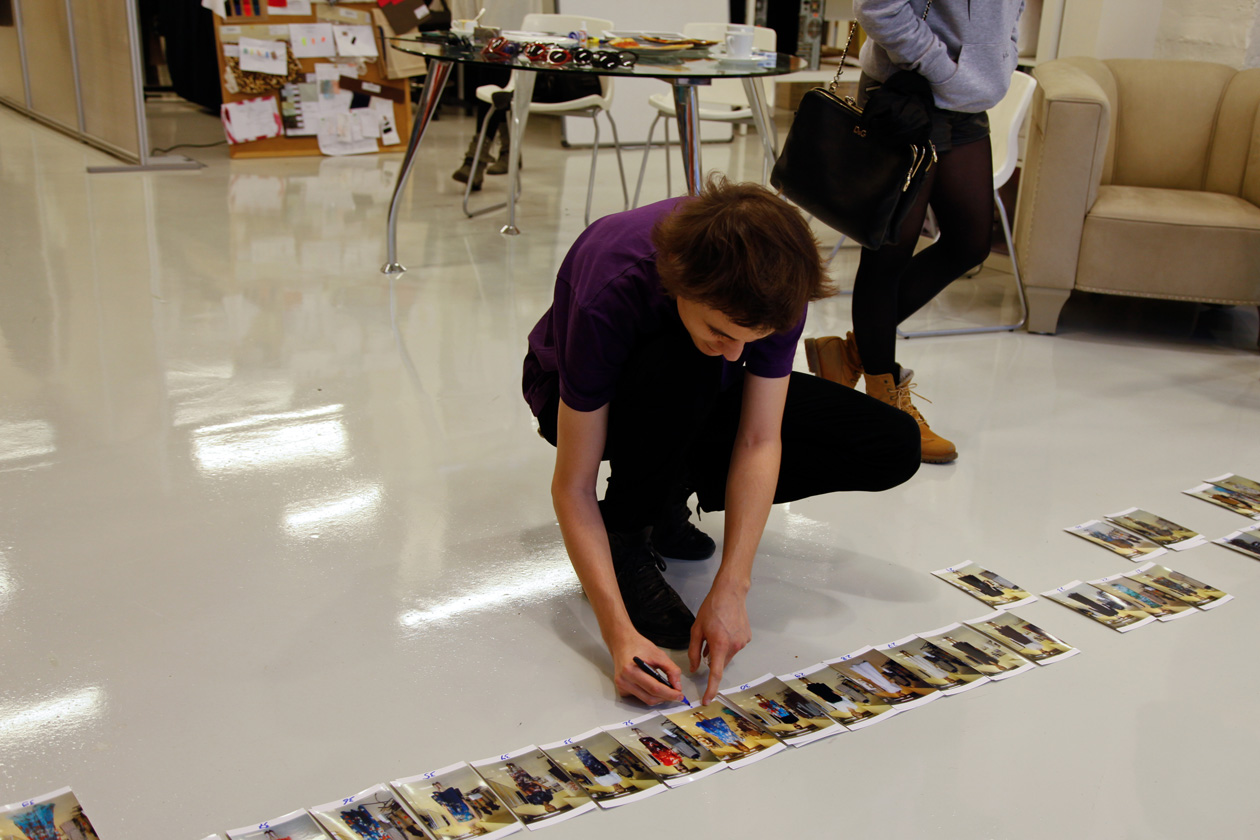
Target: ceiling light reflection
[26, 439]
[357, 507]
[271, 439]
[59, 713]
[547, 581]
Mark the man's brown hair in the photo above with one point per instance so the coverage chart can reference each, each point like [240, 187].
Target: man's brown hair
[742, 250]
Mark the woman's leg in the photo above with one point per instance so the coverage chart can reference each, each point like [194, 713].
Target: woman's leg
[962, 200]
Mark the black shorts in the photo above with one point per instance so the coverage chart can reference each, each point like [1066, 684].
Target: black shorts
[949, 128]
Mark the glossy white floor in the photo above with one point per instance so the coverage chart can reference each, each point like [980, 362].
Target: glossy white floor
[274, 528]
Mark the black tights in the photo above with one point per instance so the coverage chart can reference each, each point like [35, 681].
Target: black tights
[893, 283]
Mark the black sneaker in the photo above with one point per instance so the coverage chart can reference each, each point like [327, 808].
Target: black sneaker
[676, 538]
[654, 607]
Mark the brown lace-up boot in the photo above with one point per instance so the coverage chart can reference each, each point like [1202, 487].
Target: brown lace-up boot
[834, 358]
[936, 449]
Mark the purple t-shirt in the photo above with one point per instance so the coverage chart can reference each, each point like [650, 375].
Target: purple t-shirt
[609, 298]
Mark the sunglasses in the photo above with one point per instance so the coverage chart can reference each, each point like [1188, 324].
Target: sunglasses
[546, 53]
[501, 49]
[604, 59]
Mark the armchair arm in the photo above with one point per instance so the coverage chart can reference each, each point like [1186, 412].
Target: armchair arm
[1063, 167]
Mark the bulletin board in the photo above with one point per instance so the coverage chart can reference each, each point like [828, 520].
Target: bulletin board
[258, 21]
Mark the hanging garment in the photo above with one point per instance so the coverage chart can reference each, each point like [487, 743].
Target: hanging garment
[721, 730]
[452, 799]
[873, 675]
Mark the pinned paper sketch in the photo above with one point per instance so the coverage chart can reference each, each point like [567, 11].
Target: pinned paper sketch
[53, 816]
[788, 714]
[995, 661]
[312, 40]
[1145, 597]
[1103, 607]
[297, 825]
[1182, 586]
[1157, 529]
[251, 119]
[730, 736]
[845, 700]
[988, 586]
[1022, 636]
[1116, 539]
[935, 666]
[534, 787]
[608, 770]
[455, 803]
[666, 749]
[354, 40]
[1226, 498]
[889, 681]
[1246, 541]
[375, 812]
[271, 57]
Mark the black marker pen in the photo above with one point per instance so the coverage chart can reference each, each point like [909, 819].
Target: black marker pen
[656, 675]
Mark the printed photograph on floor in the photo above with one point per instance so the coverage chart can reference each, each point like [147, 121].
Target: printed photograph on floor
[1116, 539]
[666, 748]
[609, 771]
[1023, 637]
[988, 586]
[1246, 541]
[454, 802]
[534, 786]
[373, 813]
[296, 825]
[938, 668]
[730, 736]
[887, 680]
[792, 717]
[1145, 597]
[995, 661]
[1157, 529]
[1228, 499]
[1105, 608]
[1248, 487]
[1180, 585]
[52, 816]
[846, 702]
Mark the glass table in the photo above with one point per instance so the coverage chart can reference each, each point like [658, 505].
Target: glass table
[684, 70]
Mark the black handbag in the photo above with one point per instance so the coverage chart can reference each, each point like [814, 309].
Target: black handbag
[847, 172]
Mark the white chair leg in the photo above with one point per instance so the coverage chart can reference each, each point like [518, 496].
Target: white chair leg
[669, 183]
[647, 148]
[472, 173]
[590, 185]
[625, 193]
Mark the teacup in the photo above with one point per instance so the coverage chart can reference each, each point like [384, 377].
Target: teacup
[739, 40]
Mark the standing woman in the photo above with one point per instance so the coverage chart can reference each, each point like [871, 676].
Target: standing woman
[966, 50]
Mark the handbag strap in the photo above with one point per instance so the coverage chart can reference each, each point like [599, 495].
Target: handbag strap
[845, 54]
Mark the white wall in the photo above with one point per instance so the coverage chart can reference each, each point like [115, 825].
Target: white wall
[1224, 31]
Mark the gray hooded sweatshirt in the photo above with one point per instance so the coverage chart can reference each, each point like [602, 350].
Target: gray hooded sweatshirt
[966, 49]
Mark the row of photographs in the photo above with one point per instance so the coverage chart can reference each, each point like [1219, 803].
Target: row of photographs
[1141, 535]
[1130, 600]
[538, 786]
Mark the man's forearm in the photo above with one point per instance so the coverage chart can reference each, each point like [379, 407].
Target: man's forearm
[586, 541]
[753, 476]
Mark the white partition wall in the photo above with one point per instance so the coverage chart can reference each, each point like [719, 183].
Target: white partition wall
[75, 65]
[630, 96]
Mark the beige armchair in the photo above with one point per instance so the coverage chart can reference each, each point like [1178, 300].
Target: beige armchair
[1141, 178]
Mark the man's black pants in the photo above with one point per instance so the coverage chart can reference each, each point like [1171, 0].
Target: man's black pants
[672, 427]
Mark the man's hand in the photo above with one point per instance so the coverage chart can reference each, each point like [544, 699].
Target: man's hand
[721, 631]
[633, 682]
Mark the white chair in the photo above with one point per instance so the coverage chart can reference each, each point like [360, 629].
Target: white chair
[585, 106]
[1005, 121]
[722, 101]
